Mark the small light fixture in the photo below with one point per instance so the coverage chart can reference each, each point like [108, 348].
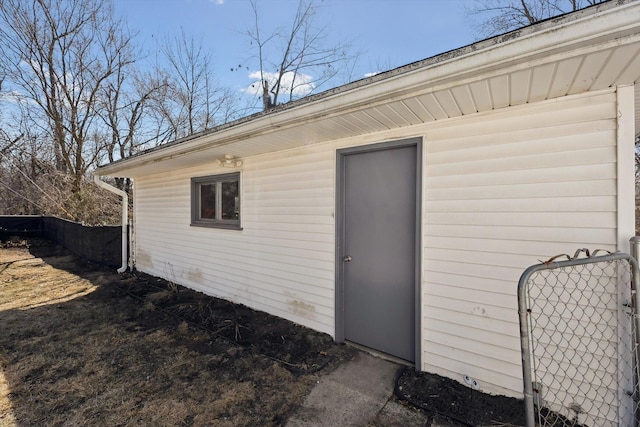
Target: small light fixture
[229, 161]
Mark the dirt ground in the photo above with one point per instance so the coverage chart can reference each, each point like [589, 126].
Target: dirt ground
[458, 403]
[83, 345]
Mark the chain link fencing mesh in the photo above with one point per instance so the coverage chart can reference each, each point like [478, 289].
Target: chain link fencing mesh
[578, 324]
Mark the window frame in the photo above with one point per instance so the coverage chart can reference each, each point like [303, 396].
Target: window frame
[218, 222]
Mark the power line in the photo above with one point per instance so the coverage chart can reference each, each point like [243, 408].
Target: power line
[20, 195]
[37, 186]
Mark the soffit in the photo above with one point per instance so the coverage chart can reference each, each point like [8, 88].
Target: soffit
[472, 83]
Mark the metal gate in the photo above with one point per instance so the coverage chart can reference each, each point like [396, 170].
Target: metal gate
[579, 336]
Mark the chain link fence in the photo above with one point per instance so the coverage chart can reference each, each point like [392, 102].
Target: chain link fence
[578, 327]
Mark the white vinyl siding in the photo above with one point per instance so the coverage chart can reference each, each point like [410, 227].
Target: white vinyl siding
[280, 262]
[503, 191]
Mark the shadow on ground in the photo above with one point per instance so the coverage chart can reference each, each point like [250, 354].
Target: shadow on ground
[82, 345]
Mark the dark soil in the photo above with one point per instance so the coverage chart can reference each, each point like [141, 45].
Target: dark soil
[162, 343]
[83, 345]
[299, 349]
[461, 404]
[303, 351]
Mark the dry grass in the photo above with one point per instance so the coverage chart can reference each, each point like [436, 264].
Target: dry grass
[74, 350]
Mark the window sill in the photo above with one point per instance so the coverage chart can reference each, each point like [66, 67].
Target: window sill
[216, 225]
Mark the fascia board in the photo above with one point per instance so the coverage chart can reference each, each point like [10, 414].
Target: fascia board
[472, 62]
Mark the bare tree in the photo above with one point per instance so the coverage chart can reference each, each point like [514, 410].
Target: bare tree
[6, 141]
[301, 61]
[188, 99]
[124, 108]
[500, 16]
[30, 184]
[58, 56]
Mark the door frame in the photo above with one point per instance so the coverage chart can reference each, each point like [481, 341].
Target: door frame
[341, 154]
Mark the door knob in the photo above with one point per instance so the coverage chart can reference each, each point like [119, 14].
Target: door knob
[347, 258]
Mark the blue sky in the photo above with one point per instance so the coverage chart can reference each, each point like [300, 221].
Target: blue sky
[387, 33]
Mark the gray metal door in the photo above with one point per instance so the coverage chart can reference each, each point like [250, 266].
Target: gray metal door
[378, 249]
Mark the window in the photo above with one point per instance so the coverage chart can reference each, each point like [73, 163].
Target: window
[215, 201]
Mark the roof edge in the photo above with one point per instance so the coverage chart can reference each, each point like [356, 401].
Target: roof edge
[181, 145]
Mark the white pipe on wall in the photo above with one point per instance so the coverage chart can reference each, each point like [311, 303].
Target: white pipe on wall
[125, 217]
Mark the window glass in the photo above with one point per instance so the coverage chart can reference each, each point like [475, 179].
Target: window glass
[215, 201]
[230, 200]
[208, 201]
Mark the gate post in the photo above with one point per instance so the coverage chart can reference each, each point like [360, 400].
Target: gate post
[523, 313]
[634, 246]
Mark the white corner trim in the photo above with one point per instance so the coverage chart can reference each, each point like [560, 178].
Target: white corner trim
[626, 206]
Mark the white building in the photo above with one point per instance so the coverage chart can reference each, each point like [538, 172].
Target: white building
[399, 211]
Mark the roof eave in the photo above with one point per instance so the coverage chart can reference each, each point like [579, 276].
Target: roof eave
[552, 37]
